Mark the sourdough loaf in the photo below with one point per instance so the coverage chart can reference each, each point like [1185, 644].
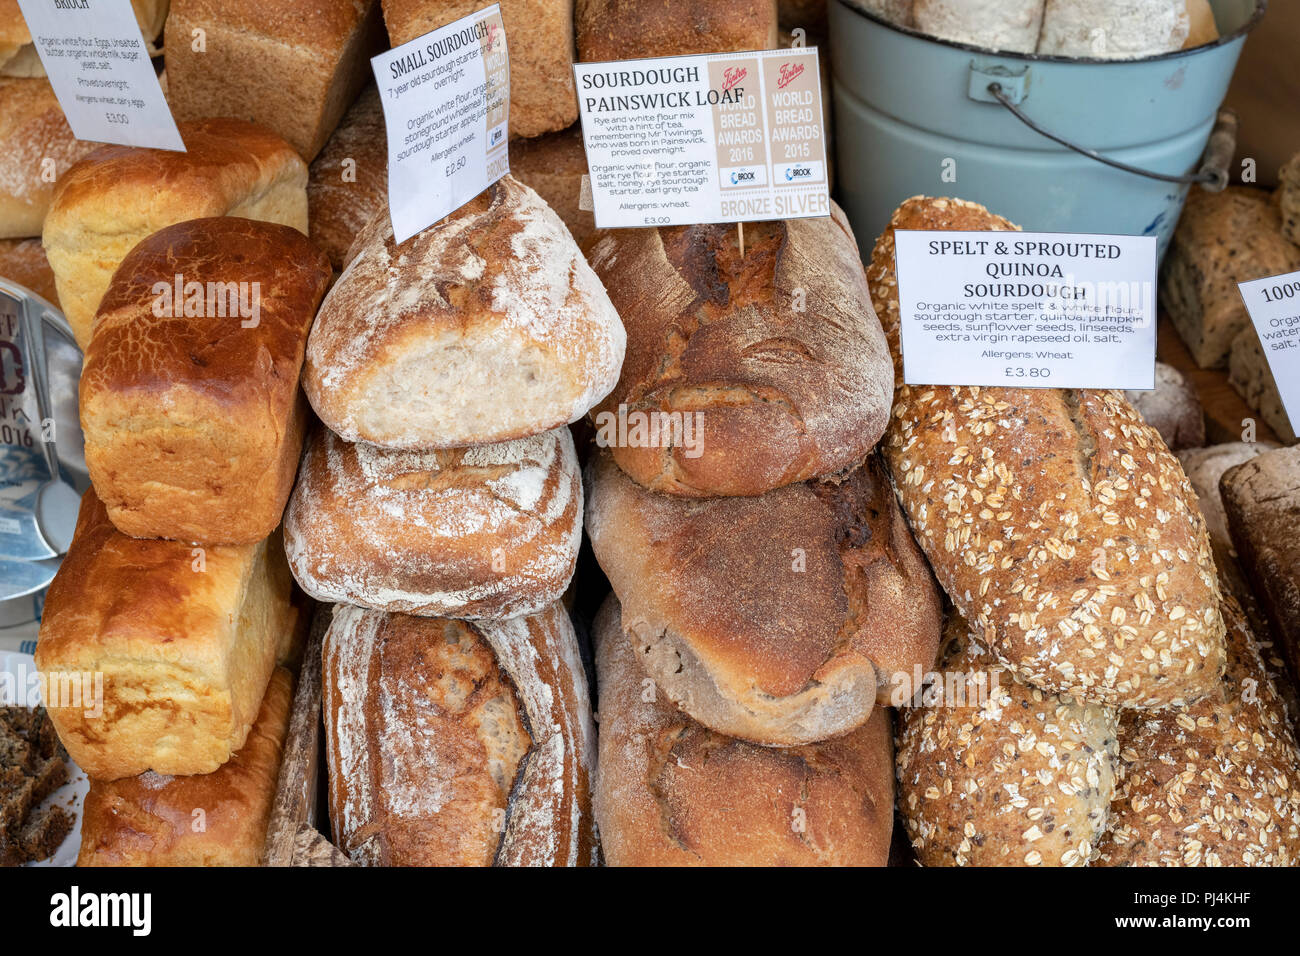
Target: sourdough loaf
[1172, 409]
[554, 166]
[1113, 29]
[632, 29]
[347, 184]
[671, 792]
[1011, 25]
[1058, 522]
[1250, 373]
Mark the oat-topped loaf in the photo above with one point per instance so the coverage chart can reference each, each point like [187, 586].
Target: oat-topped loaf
[1059, 523]
[994, 772]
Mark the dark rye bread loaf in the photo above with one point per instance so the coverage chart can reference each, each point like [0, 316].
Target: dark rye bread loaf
[778, 352]
[671, 792]
[1058, 522]
[781, 619]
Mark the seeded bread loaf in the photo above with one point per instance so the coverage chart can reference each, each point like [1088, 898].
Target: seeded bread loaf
[1172, 409]
[1113, 29]
[1251, 375]
[782, 619]
[995, 772]
[632, 29]
[348, 182]
[671, 792]
[1058, 522]
[1011, 25]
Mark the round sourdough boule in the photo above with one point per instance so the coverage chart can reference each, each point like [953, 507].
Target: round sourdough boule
[481, 533]
[994, 772]
[781, 619]
[671, 792]
[777, 352]
[485, 327]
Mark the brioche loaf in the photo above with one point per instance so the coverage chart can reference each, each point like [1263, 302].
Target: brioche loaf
[671, 792]
[1250, 373]
[1113, 29]
[553, 166]
[293, 66]
[632, 29]
[23, 261]
[1172, 409]
[481, 533]
[184, 640]
[118, 195]
[194, 422]
[213, 819]
[995, 772]
[1011, 25]
[781, 619]
[776, 353]
[539, 36]
[347, 184]
[1058, 522]
[417, 344]
[450, 744]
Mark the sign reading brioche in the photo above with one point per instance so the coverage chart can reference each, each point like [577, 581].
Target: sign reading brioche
[485, 327]
[1058, 521]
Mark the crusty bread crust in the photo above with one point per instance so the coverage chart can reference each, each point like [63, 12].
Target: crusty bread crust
[554, 165]
[1058, 522]
[631, 29]
[348, 182]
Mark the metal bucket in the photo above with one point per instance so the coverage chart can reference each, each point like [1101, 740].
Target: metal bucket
[915, 114]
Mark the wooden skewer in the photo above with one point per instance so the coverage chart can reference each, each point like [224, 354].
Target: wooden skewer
[740, 233]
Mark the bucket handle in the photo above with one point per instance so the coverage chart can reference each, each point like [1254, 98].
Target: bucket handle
[1212, 176]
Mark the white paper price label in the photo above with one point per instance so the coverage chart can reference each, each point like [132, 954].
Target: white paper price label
[1274, 307]
[100, 70]
[734, 137]
[446, 98]
[1029, 310]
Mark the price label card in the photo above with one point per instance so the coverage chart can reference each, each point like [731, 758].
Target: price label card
[446, 98]
[1274, 307]
[734, 137]
[101, 73]
[1030, 310]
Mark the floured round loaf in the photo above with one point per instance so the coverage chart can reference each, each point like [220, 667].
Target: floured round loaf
[451, 744]
[487, 326]
[1113, 29]
[782, 619]
[671, 792]
[774, 358]
[995, 772]
[1010, 25]
[485, 532]
[1058, 521]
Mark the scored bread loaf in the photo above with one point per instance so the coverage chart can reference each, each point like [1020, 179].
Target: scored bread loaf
[455, 744]
[554, 166]
[479, 533]
[1057, 521]
[293, 66]
[671, 792]
[1217, 784]
[1011, 25]
[1172, 408]
[633, 29]
[1251, 374]
[23, 261]
[539, 36]
[119, 195]
[777, 355]
[348, 182]
[174, 644]
[213, 819]
[193, 418]
[1113, 29]
[781, 619]
[995, 772]
[485, 327]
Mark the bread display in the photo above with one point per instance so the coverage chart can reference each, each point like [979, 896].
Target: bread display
[671, 792]
[1172, 409]
[1250, 373]
[23, 261]
[1222, 239]
[38, 150]
[633, 29]
[417, 344]
[1114, 29]
[774, 357]
[251, 46]
[993, 771]
[347, 184]
[118, 195]
[1057, 521]
[539, 37]
[782, 619]
[201, 442]
[554, 166]
[455, 744]
[161, 651]
[481, 533]
[214, 819]
[1011, 25]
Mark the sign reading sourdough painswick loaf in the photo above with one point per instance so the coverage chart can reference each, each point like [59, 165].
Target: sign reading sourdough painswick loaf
[1274, 307]
[728, 137]
[1029, 310]
[100, 70]
[446, 98]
